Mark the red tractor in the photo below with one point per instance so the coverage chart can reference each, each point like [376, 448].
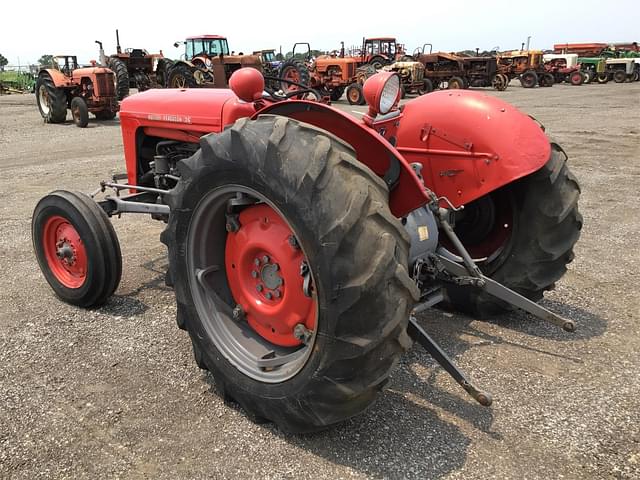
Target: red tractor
[303, 242]
[82, 90]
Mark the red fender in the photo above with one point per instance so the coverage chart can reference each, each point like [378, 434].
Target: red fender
[469, 143]
[59, 78]
[371, 149]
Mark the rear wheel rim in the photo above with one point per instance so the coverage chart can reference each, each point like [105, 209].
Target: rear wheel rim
[64, 252]
[262, 271]
[43, 96]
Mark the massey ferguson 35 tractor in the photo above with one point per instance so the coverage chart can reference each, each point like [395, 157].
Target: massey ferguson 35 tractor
[303, 242]
[82, 90]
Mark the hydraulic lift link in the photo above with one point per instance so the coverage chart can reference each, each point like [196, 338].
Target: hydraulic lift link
[417, 333]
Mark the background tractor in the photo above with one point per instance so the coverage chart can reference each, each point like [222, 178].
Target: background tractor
[378, 52]
[483, 72]
[622, 69]
[82, 90]
[564, 68]
[134, 68]
[303, 242]
[270, 66]
[441, 68]
[207, 62]
[527, 66]
[594, 69]
[411, 76]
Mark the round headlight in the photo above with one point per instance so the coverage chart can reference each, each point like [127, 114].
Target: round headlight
[389, 94]
[382, 92]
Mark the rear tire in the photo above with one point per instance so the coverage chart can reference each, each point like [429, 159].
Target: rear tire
[52, 101]
[91, 272]
[181, 76]
[296, 71]
[119, 68]
[356, 250]
[545, 225]
[79, 112]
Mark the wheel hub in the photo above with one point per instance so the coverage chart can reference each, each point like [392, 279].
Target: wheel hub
[65, 252]
[263, 266]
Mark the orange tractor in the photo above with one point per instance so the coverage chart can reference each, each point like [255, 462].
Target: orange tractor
[82, 90]
[329, 75]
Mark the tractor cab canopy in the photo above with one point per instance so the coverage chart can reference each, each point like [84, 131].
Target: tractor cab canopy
[380, 46]
[210, 45]
[65, 63]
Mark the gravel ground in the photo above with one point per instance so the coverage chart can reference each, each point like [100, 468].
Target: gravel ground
[114, 392]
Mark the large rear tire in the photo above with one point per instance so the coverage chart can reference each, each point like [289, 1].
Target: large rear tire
[181, 76]
[52, 101]
[526, 231]
[77, 248]
[356, 251]
[119, 68]
[296, 71]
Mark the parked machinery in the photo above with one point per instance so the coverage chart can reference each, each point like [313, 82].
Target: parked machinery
[134, 68]
[207, 62]
[329, 75]
[411, 77]
[564, 68]
[594, 68]
[527, 66]
[441, 68]
[82, 90]
[621, 69]
[270, 66]
[378, 52]
[303, 242]
[483, 72]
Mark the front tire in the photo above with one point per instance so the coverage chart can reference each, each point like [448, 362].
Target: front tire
[526, 230]
[77, 248]
[356, 251]
[355, 95]
[79, 112]
[529, 79]
[619, 76]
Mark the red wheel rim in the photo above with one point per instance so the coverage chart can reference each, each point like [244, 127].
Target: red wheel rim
[354, 95]
[263, 264]
[291, 74]
[65, 252]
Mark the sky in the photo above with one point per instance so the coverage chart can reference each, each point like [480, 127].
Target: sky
[449, 26]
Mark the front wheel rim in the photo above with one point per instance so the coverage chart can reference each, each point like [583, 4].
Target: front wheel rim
[259, 309]
[64, 252]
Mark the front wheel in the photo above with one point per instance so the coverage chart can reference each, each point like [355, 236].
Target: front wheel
[79, 112]
[290, 272]
[619, 76]
[602, 77]
[577, 78]
[523, 235]
[355, 95]
[77, 248]
[529, 79]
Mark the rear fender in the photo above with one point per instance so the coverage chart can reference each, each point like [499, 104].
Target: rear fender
[407, 191]
[59, 78]
[469, 143]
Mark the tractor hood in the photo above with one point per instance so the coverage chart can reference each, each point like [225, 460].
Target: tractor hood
[195, 109]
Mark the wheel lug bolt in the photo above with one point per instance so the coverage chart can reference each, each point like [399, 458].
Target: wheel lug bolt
[259, 287]
[293, 241]
[257, 261]
[254, 274]
[265, 259]
[277, 293]
[268, 295]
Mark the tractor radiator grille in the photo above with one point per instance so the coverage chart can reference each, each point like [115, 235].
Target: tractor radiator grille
[105, 84]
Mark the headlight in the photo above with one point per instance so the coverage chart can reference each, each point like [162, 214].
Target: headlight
[389, 94]
[382, 92]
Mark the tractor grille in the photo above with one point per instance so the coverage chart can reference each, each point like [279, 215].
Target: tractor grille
[105, 84]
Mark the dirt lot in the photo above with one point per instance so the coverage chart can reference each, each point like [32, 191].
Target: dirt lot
[115, 393]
